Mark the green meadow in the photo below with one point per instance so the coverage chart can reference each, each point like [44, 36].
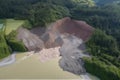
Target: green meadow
[12, 24]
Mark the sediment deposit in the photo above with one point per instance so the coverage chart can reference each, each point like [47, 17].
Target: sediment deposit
[67, 34]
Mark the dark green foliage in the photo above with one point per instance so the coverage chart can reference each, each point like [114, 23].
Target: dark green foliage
[107, 19]
[17, 46]
[14, 43]
[4, 48]
[113, 60]
[65, 3]
[15, 8]
[27, 24]
[100, 69]
[105, 56]
[101, 43]
[43, 13]
[39, 12]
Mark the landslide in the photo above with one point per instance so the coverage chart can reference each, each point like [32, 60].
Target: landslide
[68, 34]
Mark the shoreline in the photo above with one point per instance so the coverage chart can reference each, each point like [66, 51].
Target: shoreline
[8, 60]
[37, 67]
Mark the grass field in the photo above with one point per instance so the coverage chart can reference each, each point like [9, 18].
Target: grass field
[12, 24]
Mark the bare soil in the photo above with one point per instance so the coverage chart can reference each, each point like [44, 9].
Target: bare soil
[68, 34]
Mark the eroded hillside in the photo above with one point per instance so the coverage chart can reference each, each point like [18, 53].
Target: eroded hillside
[70, 35]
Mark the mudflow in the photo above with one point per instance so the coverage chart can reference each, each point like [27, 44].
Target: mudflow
[70, 35]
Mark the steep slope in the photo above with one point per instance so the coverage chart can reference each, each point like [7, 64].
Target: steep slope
[38, 38]
[4, 49]
[78, 28]
[31, 41]
[66, 25]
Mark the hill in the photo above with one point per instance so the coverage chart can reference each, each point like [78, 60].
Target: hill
[103, 46]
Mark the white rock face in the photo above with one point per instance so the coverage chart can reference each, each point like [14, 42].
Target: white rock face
[71, 56]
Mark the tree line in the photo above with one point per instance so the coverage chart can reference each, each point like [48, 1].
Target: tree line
[39, 12]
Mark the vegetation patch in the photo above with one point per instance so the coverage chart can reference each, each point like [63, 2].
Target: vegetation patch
[12, 24]
[14, 43]
[100, 69]
[4, 48]
[105, 56]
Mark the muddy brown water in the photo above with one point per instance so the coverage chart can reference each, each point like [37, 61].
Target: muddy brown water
[32, 68]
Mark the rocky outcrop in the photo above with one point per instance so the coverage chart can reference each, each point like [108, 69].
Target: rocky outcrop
[52, 39]
[80, 29]
[31, 41]
[71, 55]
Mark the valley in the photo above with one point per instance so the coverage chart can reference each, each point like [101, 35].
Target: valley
[60, 39]
[38, 44]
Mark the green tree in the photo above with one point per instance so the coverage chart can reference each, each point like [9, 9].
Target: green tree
[14, 43]
[4, 48]
[42, 14]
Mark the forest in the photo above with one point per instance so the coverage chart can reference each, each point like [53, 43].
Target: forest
[103, 15]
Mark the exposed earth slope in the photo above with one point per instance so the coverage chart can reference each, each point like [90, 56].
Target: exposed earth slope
[70, 35]
[30, 40]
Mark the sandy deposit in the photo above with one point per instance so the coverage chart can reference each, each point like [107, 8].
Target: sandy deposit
[48, 54]
[33, 68]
